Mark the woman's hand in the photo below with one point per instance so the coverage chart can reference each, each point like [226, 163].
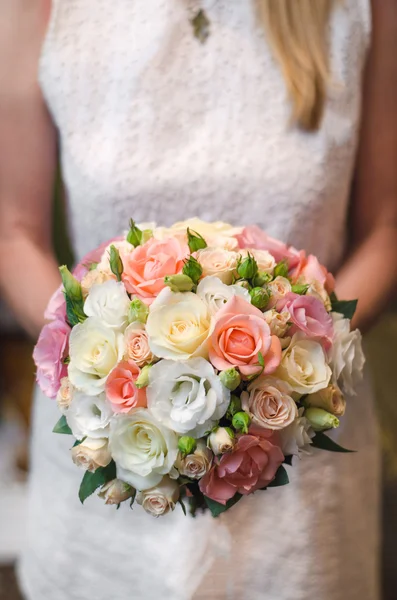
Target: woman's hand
[370, 273]
[28, 270]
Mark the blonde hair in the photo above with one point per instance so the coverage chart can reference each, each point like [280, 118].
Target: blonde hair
[298, 34]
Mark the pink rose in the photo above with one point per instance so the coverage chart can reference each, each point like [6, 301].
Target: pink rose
[146, 267]
[239, 334]
[253, 237]
[308, 315]
[311, 270]
[251, 466]
[137, 344]
[49, 353]
[56, 308]
[121, 390]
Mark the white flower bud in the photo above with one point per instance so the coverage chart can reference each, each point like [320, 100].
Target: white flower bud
[222, 440]
[91, 454]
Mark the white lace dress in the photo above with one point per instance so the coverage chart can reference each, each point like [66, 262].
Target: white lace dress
[157, 126]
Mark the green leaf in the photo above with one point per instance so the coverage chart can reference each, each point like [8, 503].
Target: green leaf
[217, 509]
[201, 26]
[288, 459]
[261, 360]
[74, 311]
[323, 442]
[346, 307]
[78, 442]
[300, 289]
[182, 505]
[92, 481]
[281, 478]
[62, 426]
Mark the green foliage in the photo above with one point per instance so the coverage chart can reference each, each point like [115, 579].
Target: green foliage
[92, 481]
[217, 509]
[62, 426]
[281, 478]
[323, 442]
[346, 307]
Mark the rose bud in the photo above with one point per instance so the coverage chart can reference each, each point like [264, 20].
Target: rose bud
[65, 394]
[244, 284]
[300, 289]
[186, 445]
[279, 323]
[138, 311]
[330, 399]
[72, 286]
[195, 465]
[230, 378]
[116, 264]
[221, 440]
[147, 234]
[241, 422]
[320, 419]
[248, 268]
[134, 236]
[179, 283]
[261, 279]
[259, 297]
[143, 379]
[234, 407]
[91, 454]
[161, 499]
[192, 269]
[116, 491]
[195, 241]
[281, 269]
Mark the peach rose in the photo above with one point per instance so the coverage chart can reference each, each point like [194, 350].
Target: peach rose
[239, 334]
[121, 390]
[146, 267]
[269, 403]
[251, 466]
[137, 344]
[310, 270]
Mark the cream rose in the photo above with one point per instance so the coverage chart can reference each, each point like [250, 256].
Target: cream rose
[116, 491]
[195, 465]
[89, 416]
[278, 288]
[215, 234]
[110, 303]
[91, 454]
[221, 440]
[65, 395]
[265, 261]
[304, 366]
[317, 290]
[94, 351]
[330, 399]
[278, 322]
[161, 499]
[137, 344]
[188, 397]
[346, 354]
[219, 263]
[297, 437]
[142, 448]
[269, 404]
[178, 326]
[94, 277]
[215, 294]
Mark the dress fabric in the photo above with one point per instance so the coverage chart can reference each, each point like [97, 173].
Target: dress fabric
[156, 126]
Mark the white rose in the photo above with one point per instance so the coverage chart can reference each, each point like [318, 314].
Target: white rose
[215, 294]
[143, 449]
[116, 491]
[219, 263]
[91, 454]
[109, 302]
[347, 357]
[178, 326]
[137, 344]
[279, 288]
[159, 500]
[330, 399]
[195, 465]
[188, 397]
[297, 437]
[65, 395]
[215, 234]
[265, 261]
[317, 290]
[222, 440]
[279, 323]
[89, 416]
[94, 277]
[269, 404]
[94, 351]
[304, 366]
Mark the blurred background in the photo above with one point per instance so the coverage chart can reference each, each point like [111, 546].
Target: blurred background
[16, 383]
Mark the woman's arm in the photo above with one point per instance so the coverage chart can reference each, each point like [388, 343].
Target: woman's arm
[28, 269]
[370, 274]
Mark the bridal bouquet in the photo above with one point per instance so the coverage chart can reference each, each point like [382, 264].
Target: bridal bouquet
[192, 363]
